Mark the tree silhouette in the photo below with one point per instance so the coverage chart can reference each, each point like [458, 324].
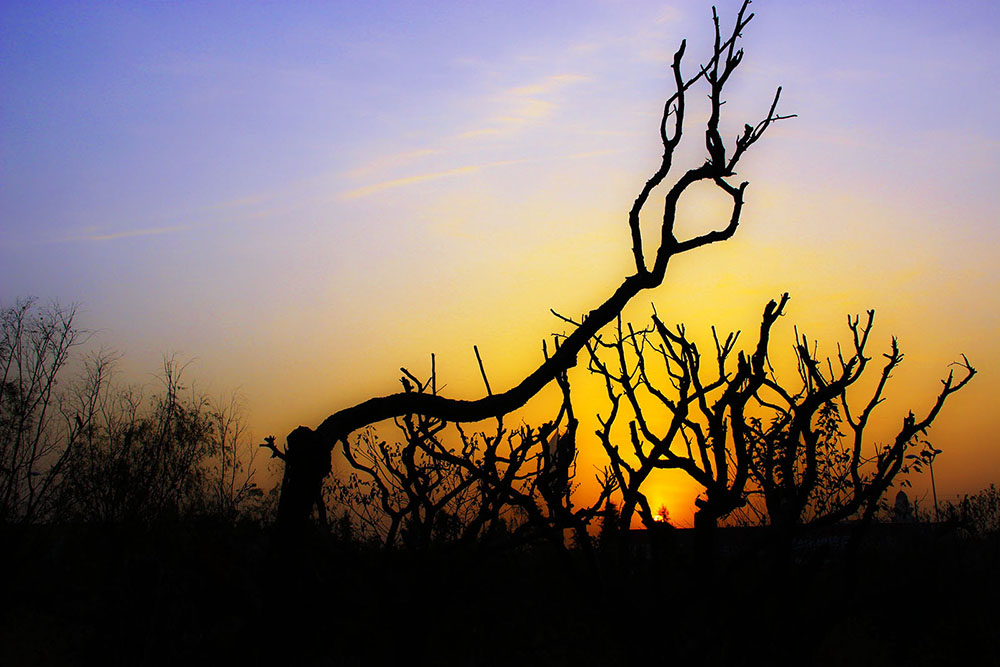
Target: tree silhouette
[743, 434]
[75, 447]
[141, 458]
[705, 432]
[508, 481]
[307, 453]
[805, 468]
[36, 437]
[979, 513]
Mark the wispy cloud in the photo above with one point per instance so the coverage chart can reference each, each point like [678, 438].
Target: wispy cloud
[420, 178]
[390, 161]
[589, 154]
[522, 105]
[458, 171]
[123, 234]
[511, 109]
[548, 85]
[669, 15]
[472, 134]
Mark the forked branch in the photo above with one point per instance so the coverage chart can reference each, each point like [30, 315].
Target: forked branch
[724, 59]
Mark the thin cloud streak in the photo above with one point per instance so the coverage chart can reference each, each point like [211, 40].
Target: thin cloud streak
[548, 85]
[523, 105]
[126, 234]
[420, 178]
[458, 171]
[389, 161]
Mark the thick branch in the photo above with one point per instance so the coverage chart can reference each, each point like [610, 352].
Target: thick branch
[339, 425]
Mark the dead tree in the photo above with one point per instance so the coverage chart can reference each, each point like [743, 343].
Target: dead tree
[810, 473]
[308, 454]
[434, 489]
[754, 445]
[404, 489]
[704, 432]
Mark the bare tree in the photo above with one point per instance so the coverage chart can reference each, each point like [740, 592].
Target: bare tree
[230, 488]
[753, 444]
[77, 446]
[806, 470]
[704, 432]
[35, 442]
[139, 459]
[307, 456]
[435, 488]
[398, 491]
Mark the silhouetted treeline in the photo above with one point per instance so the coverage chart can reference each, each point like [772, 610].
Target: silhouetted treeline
[133, 533]
[793, 455]
[77, 447]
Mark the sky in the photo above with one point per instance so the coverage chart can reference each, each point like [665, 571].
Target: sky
[301, 198]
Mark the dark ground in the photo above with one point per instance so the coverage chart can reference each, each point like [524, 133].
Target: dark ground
[206, 593]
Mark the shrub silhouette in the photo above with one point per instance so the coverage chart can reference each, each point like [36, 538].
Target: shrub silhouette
[77, 447]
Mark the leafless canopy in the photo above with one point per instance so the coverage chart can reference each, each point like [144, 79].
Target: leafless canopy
[704, 430]
[515, 482]
[718, 168]
[745, 435]
[804, 466]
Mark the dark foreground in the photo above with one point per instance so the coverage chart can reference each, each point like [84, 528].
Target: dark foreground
[203, 593]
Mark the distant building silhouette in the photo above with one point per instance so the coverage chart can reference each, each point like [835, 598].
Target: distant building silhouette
[902, 510]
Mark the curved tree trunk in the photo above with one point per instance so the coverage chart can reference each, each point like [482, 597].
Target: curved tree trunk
[308, 458]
